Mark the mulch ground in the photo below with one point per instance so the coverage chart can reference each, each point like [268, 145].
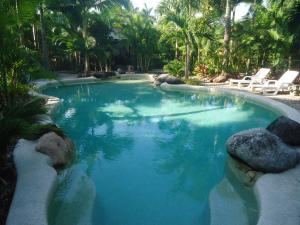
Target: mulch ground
[7, 185]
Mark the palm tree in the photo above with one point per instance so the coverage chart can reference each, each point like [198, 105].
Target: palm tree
[227, 33]
[79, 11]
[45, 50]
[180, 13]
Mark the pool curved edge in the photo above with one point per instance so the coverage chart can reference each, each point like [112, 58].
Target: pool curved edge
[36, 182]
[273, 104]
[36, 178]
[276, 205]
[277, 195]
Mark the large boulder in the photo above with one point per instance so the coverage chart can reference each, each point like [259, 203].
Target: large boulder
[220, 79]
[60, 150]
[262, 150]
[168, 79]
[288, 130]
[121, 71]
[104, 75]
[162, 77]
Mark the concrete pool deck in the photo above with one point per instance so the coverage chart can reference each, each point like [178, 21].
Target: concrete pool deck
[277, 194]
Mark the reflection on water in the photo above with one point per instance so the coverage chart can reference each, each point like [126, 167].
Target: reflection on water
[153, 157]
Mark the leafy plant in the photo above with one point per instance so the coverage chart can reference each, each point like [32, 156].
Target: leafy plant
[175, 68]
[201, 70]
[193, 81]
[20, 121]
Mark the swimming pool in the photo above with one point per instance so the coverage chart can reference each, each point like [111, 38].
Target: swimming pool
[145, 156]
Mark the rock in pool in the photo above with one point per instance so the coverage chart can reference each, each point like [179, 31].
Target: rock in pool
[262, 150]
[60, 150]
[287, 129]
[168, 79]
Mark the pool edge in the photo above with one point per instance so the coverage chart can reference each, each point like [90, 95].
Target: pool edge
[275, 193]
[37, 194]
[267, 215]
[36, 182]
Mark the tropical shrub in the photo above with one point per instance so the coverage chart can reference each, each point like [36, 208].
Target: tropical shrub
[193, 81]
[175, 68]
[201, 70]
[20, 121]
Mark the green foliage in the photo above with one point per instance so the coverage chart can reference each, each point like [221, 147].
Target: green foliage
[267, 36]
[19, 120]
[201, 70]
[175, 68]
[35, 131]
[193, 81]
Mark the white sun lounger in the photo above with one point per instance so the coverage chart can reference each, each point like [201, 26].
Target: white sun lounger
[285, 81]
[259, 78]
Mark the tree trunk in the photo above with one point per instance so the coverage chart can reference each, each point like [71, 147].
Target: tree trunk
[4, 87]
[34, 36]
[248, 66]
[263, 59]
[187, 62]
[137, 63]
[84, 35]
[198, 51]
[227, 36]
[20, 33]
[45, 51]
[176, 49]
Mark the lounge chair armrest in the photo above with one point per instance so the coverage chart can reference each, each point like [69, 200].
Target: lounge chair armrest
[286, 85]
[247, 78]
[258, 81]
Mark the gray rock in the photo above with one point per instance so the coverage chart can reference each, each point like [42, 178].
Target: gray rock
[61, 151]
[104, 75]
[220, 79]
[174, 80]
[161, 77]
[157, 83]
[242, 172]
[121, 71]
[288, 130]
[262, 150]
[168, 79]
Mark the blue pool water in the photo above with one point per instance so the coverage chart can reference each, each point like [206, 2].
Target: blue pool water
[148, 157]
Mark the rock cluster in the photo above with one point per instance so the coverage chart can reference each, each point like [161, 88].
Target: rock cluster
[268, 150]
[166, 78]
[60, 150]
[121, 71]
[104, 75]
[220, 79]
